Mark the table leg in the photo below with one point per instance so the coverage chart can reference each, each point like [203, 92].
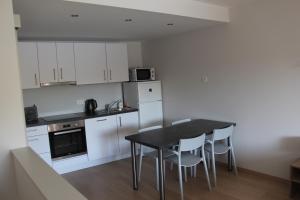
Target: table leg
[161, 174]
[229, 157]
[134, 167]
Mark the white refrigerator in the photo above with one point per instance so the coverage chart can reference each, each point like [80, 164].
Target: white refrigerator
[147, 97]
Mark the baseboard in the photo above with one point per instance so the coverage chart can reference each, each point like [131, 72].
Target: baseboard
[256, 173]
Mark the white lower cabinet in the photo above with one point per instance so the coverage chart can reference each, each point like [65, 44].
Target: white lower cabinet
[101, 137]
[105, 137]
[127, 125]
[38, 141]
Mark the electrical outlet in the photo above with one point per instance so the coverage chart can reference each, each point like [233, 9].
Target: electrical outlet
[80, 102]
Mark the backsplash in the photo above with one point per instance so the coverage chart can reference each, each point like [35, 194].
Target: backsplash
[63, 99]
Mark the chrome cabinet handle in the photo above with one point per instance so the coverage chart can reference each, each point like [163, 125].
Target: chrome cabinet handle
[120, 119]
[61, 74]
[32, 140]
[35, 79]
[54, 74]
[101, 120]
[104, 73]
[110, 74]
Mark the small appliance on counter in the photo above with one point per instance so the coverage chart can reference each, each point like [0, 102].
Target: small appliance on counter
[90, 106]
[31, 114]
[142, 74]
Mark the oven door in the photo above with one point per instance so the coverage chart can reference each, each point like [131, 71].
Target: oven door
[67, 143]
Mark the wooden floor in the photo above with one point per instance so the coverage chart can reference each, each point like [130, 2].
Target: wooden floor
[113, 181]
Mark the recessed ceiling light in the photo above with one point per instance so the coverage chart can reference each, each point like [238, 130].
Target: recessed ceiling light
[74, 15]
[170, 24]
[128, 20]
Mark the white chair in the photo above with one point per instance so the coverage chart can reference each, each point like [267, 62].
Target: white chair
[216, 144]
[183, 157]
[151, 153]
[176, 146]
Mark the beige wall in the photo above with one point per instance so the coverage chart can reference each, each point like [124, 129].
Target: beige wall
[253, 70]
[12, 133]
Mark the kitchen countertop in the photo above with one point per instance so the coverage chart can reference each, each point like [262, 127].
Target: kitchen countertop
[78, 116]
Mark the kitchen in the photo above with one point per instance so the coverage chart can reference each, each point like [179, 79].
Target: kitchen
[89, 105]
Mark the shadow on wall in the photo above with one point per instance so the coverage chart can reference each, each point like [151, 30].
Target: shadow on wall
[290, 144]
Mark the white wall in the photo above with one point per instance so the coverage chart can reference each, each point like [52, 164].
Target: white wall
[253, 69]
[62, 99]
[12, 134]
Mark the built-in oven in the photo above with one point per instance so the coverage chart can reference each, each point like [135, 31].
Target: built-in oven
[67, 139]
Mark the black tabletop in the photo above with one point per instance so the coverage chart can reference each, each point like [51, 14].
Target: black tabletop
[171, 135]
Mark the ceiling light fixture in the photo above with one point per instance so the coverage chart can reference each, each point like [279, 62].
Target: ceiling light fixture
[74, 15]
[128, 20]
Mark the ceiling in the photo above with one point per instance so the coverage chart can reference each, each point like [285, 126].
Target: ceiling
[227, 3]
[51, 19]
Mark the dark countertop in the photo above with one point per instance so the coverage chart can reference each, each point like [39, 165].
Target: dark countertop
[78, 116]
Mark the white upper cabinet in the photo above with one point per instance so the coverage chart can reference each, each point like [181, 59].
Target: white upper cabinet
[47, 62]
[117, 62]
[65, 61]
[134, 51]
[90, 62]
[56, 62]
[28, 62]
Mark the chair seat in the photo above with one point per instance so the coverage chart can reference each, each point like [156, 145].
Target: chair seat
[153, 154]
[220, 148]
[187, 159]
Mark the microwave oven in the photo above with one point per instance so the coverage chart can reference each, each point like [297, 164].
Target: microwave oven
[142, 74]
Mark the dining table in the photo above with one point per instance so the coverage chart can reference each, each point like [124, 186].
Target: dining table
[166, 137]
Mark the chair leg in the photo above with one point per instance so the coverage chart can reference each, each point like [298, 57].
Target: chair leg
[192, 171]
[206, 174]
[185, 174]
[195, 171]
[234, 161]
[180, 181]
[157, 177]
[140, 163]
[164, 163]
[214, 168]
[208, 161]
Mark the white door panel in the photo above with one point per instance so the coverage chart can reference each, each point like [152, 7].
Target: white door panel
[101, 136]
[151, 114]
[47, 62]
[117, 62]
[28, 61]
[39, 144]
[128, 124]
[65, 61]
[149, 91]
[90, 63]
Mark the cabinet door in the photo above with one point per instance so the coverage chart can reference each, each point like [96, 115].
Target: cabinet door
[39, 144]
[101, 137]
[128, 124]
[47, 62]
[90, 63]
[149, 91]
[65, 61]
[28, 62]
[117, 62]
[151, 114]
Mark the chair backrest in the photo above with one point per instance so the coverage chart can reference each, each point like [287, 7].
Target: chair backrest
[150, 128]
[181, 121]
[222, 134]
[191, 143]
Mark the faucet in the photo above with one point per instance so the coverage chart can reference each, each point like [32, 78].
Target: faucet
[108, 107]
